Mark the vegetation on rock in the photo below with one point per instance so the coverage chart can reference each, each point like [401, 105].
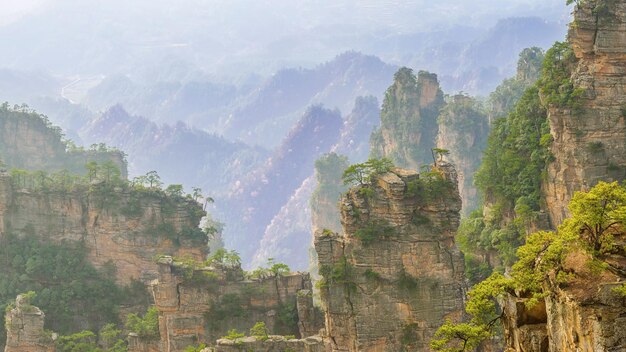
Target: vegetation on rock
[597, 216]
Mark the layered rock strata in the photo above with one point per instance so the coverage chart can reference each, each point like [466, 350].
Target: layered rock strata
[589, 142]
[25, 332]
[130, 239]
[203, 305]
[391, 293]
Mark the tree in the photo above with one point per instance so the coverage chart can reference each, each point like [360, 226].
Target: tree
[110, 171]
[260, 331]
[438, 154]
[153, 179]
[92, 170]
[174, 190]
[362, 174]
[597, 215]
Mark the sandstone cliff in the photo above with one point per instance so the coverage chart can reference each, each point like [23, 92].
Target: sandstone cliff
[126, 227]
[589, 140]
[394, 274]
[25, 331]
[201, 305]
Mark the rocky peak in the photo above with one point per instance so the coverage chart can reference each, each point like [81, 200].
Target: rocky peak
[395, 260]
[409, 126]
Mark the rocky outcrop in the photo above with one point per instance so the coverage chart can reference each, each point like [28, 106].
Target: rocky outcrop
[129, 229]
[589, 142]
[409, 127]
[271, 344]
[25, 332]
[394, 274]
[201, 305]
[29, 141]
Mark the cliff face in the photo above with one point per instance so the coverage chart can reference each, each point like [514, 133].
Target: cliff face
[202, 306]
[409, 127]
[28, 141]
[392, 292]
[25, 331]
[589, 143]
[463, 130]
[130, 239]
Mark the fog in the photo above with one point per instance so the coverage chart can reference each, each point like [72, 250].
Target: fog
[226, 38]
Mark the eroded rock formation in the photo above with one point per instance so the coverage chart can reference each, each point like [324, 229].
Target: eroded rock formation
[129, 232]
[589, 142]
[25, 332]
[201, 305]
[391, 292]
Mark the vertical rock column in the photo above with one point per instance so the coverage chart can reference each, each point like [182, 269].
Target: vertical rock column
[590, 142]
[25, 332]
[391, 292]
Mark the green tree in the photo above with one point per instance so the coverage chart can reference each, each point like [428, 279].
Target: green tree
[146, 326]
[363, 173]
[153, 179]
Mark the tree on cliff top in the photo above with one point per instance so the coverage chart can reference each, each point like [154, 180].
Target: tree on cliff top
[362, 174]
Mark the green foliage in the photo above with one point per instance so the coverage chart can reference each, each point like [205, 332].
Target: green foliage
[363, 174]
[595, 147]
[109, 339]
[403, 118]
[225, 258]
[230, 305]
[273, 269]
[406, 282]
[146, 326]
[287, 319]
[555, 84]
[374, 230]
[458, 337]
[233, 334]
[597, 215]
[340, 273]
[71, 292]
[620, 290]
[198, 348]
[259, 330]
[430, 186]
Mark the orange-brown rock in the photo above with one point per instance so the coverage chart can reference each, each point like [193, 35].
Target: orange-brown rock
[200, 306]
[25, 332]
[589, 143]
[111, 233]
[392, 292]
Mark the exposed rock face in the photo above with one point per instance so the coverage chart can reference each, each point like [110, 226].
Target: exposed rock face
[525, 328]
[393, 292]
[463, 130]
[409, 127]
[130, 241]
[589, 144]
[193, 311]
[25, 331]
[27, 141]
[272, 344]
